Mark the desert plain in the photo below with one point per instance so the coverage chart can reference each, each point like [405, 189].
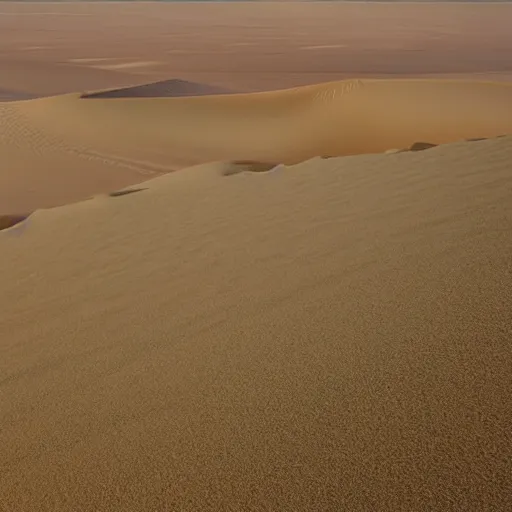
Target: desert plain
[255, 257]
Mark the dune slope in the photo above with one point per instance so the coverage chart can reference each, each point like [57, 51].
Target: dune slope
[329, 336]
[338, 118]
[88, 145]
[163, 88]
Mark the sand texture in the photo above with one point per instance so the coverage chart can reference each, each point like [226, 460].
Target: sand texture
[334, 335]
[220, 298]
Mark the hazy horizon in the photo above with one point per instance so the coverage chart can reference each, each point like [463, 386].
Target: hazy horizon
[245, 1]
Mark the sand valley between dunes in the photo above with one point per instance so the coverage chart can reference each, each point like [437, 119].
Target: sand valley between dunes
[255, 257]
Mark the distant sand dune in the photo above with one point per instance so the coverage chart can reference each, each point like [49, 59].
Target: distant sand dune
[339, 118]
[149, 130]
[161, 89]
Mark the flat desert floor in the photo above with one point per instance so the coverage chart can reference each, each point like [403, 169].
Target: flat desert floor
[255, 257]
[56, 48]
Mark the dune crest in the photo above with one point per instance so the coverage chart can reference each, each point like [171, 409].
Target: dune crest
[336, 119]
[150, 130]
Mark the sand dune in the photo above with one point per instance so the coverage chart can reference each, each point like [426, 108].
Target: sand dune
[333, 335]
[313, 314]
[161, 89]
[338, 118]
[79, 138]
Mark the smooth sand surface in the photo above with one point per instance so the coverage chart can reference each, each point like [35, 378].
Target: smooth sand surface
[65, 148]
[56, 48]
[330, 336]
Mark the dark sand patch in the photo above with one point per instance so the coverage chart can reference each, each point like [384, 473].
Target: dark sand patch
[119, 193]
[12, 95]
[9, 221]
[421, 146]
[161, 89]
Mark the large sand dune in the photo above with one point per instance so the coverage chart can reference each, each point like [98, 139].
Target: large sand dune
[330, 336]
[86, 144]
[314, 313]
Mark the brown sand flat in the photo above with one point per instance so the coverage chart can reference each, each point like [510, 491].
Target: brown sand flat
[65, 148]
[330, 336]
[55, 48]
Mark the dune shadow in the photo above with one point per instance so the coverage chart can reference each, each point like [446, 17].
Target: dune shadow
[162, 89]
[417, 146]
[239, 166]
[9, 221]
[421, 146]
[10, 95]
[119, 193]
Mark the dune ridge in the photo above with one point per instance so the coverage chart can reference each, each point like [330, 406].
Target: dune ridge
[97, 143]
[338, 118]
[333, 335]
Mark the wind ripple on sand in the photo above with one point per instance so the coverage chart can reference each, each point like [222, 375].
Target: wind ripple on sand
[17, 130]
[334, 336]
[41, 168]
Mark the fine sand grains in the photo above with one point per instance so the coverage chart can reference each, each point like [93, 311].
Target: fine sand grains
[333, 335]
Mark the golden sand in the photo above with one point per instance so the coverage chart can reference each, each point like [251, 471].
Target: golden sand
[312, 314]
[333, 335]
[75, 138]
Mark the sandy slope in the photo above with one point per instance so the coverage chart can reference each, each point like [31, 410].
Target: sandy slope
[81, 146]
[164, 88]
[329, 336]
